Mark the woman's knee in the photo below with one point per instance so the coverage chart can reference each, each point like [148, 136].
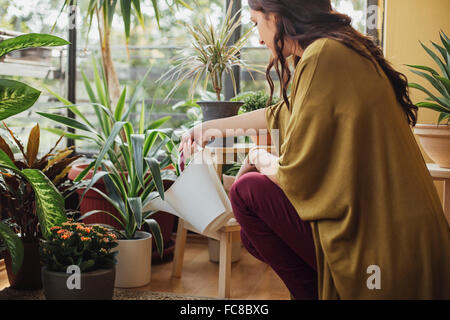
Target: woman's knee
[250, 189]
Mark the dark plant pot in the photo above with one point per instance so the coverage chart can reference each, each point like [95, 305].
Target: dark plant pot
[94, 285]
[217, 110]
[29, 275]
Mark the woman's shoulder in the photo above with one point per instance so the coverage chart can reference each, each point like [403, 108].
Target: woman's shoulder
[327, 48]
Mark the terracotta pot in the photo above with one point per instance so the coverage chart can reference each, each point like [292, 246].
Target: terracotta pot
[94, 285]
[134, 261]
[435, 140]
[29, 275]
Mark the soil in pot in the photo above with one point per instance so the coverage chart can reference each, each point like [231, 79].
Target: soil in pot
[29, 275]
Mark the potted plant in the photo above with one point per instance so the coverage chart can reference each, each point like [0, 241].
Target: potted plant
[18, 202]
[48, 205]
[255, 101]
[130, 184]
[210, 58]
[107, 115]
[435, 139]
[74, 247]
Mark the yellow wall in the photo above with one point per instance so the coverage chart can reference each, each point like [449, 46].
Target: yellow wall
[406, 23]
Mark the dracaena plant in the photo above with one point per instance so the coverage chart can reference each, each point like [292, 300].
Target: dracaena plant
[210, 56]
[440, 81]
[16, 97]
[131, 171]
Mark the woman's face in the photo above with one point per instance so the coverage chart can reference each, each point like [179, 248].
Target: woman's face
[267, 28]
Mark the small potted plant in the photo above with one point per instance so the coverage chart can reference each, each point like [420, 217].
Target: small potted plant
[72, 248]
[435, 139]
[255, 101]
[210, 58]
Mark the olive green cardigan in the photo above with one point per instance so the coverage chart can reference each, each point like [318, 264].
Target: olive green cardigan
[350, 165]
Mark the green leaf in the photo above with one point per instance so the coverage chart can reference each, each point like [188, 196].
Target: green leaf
[155, 169]
[71, 123]
[118, 112]
[135, 204]
[157, 234]
[158, 123]
[14, 246]
[6, 162]
[436, 59]
[31, 40]
[15, 97]
[125, 5]
[434, 82]
[156, 9]
[443, 101]
[137, 8]
[108, 144]
[68, 135]
[137, 141]
[433, 106]
[49, 202]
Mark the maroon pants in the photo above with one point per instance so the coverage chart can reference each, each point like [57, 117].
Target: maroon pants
[272, 231]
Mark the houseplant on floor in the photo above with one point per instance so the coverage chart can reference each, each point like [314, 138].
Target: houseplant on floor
[435, 139]
[18, 201]
[255, 101]
[211, 57]
[130, 177]
[17, 97]
[76, 247]
[107, 115]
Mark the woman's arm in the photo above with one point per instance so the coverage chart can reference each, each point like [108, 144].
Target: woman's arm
[237, 125]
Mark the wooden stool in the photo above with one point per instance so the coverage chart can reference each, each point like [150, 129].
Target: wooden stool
[228, 234]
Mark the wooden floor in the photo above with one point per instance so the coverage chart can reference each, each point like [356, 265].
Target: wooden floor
[250, 278]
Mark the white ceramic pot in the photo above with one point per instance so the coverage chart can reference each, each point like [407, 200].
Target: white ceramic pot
[134, 261]
[435, 140]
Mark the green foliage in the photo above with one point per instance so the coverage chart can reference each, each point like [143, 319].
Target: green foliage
[210, 57]
[15, 96]
[254, 100]
[440, 81]
[74, 243]
[12, 243]
[128, 156]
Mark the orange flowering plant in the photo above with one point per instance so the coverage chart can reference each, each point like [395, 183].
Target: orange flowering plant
[75, 243]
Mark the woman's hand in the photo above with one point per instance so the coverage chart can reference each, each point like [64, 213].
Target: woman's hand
[246, 167]
[196, 136]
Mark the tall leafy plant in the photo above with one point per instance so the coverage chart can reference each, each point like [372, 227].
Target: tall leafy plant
[104, 11]
[440, 81]
[16, 97]
[128, 158]
[211, 55]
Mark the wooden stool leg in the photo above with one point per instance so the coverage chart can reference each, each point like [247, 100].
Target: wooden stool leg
[180, 243]
[225, 264]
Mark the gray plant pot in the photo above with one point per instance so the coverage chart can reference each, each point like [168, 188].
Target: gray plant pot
[217, 110]
[94, 285]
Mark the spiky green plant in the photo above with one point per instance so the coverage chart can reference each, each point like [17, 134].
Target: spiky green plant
[210, 56]
[440, 81]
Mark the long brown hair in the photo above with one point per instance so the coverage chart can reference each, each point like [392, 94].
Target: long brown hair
[308, 20]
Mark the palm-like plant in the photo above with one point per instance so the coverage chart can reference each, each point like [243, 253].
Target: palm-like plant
[441, 82]
[210, 56]
[128, 158]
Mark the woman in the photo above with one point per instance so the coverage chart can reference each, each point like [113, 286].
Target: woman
[348, 210]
